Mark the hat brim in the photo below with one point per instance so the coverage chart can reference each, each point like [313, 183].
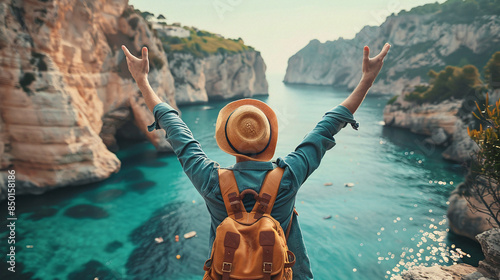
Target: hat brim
[220, 126]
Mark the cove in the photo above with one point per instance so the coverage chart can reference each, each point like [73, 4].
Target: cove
[391, 217]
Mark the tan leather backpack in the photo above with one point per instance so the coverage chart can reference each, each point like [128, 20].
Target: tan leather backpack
[250, 245]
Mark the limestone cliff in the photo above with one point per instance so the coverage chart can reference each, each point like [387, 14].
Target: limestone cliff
[445, 123]
[441, 122]
[217, 76]
[420, 42]
[65, 89]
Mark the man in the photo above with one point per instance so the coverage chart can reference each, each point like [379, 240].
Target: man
[248, 130]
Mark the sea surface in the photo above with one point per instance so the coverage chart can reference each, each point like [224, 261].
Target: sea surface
[392, 216]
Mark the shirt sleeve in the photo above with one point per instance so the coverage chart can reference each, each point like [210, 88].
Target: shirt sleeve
[308, 154]
[201, 170]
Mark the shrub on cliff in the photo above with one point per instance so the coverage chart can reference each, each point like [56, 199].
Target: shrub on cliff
[202, 43]
[457, 82]
[492, 71]
[485, 168]
[457, 11]
[452, 82]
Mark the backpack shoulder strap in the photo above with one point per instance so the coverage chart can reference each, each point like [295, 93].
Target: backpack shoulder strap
[230, 194]
[268, 193]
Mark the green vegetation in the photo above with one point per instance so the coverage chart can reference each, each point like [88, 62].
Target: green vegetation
[422, 10]
[457, 10]
[201, 43]
[147, 16]
[492, 71]
[457, 82]
[452, 82]
[392, 100]
[485, 167]
[155, 61]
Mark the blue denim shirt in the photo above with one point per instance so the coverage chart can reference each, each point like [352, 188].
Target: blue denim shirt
[298, 165]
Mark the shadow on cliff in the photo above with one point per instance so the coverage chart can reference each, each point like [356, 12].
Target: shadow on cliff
[153, 260]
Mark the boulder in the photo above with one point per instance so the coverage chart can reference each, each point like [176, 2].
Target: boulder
[490, 244]
[462, 220]
[437, 272]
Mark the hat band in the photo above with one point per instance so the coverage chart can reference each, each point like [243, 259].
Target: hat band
[248, 154]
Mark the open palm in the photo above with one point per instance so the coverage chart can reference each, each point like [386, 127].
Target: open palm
[371, 66]
[138, 67]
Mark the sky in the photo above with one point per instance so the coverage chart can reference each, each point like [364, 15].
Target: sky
[278, 28]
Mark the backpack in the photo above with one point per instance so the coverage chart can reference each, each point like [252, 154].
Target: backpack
[250, 245]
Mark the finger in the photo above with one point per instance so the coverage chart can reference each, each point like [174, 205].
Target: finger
[145, 59]
[384, 51]
[366, 53]
[127, 53]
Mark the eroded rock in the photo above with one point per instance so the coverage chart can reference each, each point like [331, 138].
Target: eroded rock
[65, 89]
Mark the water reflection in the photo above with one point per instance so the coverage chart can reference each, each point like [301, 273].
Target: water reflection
[433, 243]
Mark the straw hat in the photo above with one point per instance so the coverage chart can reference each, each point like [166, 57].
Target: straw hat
[247, 128]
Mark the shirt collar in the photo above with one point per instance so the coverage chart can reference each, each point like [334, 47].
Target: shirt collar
[252, 165]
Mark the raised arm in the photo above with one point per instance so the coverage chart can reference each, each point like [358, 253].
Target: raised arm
[371, 67]
[139, 68]
[307, 156]
[198, 167]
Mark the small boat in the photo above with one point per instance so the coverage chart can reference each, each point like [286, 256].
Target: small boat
[190, 234]
[349, 185]
[327, 217]
[159, 240]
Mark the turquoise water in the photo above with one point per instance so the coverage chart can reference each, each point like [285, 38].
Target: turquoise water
[393, 216]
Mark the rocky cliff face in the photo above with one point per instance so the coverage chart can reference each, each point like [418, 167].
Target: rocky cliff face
[65, 89]
[441, 122]
[419, 43]
[218, 76]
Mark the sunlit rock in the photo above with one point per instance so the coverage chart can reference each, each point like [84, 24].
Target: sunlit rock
[65, 89]
[454, 272]
[490, 243]
[420, 42]
[218, 76]
[441, 122]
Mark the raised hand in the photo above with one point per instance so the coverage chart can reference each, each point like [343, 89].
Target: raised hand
[371, 66]
[139, 68]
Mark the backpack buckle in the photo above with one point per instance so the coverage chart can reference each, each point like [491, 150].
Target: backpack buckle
[267, 267]
[226, 267]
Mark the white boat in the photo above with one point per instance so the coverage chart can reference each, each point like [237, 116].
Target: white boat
[190, 234]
